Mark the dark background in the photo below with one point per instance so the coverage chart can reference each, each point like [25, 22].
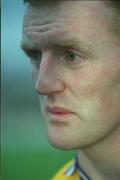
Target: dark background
[26, 154]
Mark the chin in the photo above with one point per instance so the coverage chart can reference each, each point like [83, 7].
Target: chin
[61, 145]
[62, 138]
[66, 143]
[68, 146]
[59, 142]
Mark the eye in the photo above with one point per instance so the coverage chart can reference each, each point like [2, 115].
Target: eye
[73, 57]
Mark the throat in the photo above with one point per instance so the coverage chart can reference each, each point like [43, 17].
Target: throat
[98, 169]
[102, 160]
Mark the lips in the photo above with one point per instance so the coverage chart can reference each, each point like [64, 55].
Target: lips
[58, 110]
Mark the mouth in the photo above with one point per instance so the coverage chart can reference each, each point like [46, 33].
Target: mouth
[58, 112]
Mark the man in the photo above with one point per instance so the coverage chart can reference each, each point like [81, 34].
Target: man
[74, 48]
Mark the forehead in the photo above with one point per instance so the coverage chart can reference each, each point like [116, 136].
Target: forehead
[64, 9]
[85, 20]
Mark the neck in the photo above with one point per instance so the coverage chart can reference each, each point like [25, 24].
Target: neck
[102, 160]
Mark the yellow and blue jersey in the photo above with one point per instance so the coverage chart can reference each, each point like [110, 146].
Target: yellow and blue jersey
[71, 171]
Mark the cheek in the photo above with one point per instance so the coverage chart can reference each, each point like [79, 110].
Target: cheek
[89, 80]
[97, 78]
[89, 108]
[98, 89]
[110, 103]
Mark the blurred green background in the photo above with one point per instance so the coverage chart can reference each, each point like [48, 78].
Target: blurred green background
[26, 154]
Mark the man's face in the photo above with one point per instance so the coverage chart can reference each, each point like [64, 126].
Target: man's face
[76, 69]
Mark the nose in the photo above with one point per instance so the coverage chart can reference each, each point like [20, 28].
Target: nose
[48, 80]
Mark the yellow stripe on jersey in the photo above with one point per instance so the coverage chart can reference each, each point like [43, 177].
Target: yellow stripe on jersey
[61, 174]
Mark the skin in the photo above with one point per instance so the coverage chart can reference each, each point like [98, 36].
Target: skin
[87, 83]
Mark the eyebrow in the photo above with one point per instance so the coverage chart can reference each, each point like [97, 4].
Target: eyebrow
[76, 43]
[27, 44]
